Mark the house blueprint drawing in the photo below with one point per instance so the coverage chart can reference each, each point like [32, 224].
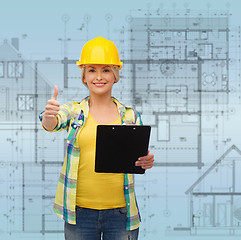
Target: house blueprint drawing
[182, 73]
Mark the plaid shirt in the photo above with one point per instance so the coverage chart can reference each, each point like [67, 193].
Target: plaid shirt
[72, 117]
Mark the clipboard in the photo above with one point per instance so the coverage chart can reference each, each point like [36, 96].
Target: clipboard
[118, 147]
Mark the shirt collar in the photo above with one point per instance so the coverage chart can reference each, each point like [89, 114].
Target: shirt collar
[84, 106]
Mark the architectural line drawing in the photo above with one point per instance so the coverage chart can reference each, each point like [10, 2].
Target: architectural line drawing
[220, 209]
[179, 73]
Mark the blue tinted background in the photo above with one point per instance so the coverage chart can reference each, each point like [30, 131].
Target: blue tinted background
[48, 31]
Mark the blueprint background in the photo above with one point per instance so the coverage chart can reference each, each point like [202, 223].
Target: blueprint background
[43, 29]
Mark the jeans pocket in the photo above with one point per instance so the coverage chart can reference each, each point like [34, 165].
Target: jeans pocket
[78, 209]
[122, 211]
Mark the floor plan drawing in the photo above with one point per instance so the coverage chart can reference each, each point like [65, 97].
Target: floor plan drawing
[182, 73]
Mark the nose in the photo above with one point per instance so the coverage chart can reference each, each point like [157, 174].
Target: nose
[99, 76]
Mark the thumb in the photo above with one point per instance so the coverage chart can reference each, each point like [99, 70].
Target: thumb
[56, 92]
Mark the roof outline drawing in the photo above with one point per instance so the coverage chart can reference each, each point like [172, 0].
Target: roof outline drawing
[216, 163]
[29, 63]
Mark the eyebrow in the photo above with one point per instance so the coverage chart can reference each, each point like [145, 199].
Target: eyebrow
[95, 68]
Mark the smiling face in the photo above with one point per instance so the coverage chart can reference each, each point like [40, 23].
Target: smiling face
[99, 79]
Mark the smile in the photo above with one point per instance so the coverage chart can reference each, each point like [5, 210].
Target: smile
[99, 84]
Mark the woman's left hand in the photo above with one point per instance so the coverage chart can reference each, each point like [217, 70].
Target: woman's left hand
[146, 162]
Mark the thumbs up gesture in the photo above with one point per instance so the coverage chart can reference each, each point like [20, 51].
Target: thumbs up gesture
[52, 106]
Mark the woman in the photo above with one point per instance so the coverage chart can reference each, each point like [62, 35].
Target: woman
[94, 205]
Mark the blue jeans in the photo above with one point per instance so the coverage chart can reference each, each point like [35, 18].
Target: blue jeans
[108, 224]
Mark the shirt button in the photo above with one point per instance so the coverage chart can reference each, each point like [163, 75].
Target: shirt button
[128, 204]
[126, 187]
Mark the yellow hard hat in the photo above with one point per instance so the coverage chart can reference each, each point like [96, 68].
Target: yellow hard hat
[99, 51]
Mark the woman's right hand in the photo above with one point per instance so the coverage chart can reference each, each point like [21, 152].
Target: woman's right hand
[52, 107]
[50, 120]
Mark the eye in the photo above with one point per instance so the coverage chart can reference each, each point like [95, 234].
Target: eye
[107, 70]
[91, 70]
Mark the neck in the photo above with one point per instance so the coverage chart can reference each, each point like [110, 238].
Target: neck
[100, 101]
